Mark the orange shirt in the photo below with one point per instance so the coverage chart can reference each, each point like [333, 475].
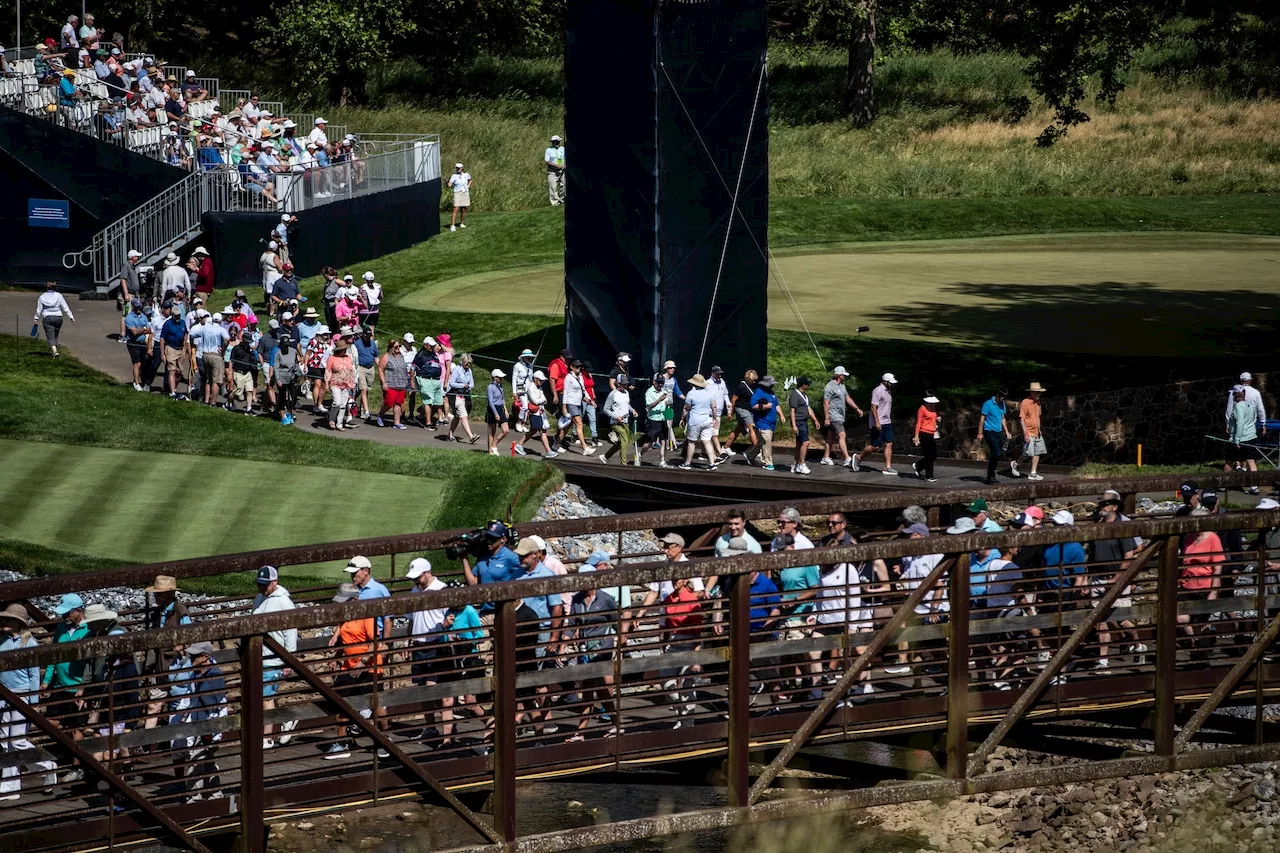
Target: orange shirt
[355, 638]
[926, 421]
[1029, 413]
[1198, 559]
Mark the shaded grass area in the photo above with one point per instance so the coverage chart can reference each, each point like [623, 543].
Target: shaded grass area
[949, 126]
[64, 402]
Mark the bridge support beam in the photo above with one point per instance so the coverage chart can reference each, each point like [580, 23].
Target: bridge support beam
[1166, 648]
[92, 765]
[1032, 694]
[958, 671]
[504, 722]
[738, 769]
[370, 728]
[253, 831]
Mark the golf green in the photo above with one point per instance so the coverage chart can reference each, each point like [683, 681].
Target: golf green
[150, 507]
[1111, 294]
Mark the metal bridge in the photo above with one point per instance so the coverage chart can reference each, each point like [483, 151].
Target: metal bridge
[958, 658]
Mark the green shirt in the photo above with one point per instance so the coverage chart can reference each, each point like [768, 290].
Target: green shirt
[70, 674]
[797, 580]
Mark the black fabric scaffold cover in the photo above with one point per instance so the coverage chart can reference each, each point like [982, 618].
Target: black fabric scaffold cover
[667, 120]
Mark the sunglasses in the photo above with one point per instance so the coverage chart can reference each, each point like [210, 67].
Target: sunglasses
[835, 523]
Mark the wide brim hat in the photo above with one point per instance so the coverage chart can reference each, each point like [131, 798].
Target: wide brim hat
[16, 612]
[163, 583]
[1036, 386]
[310, 314]
[697, 380]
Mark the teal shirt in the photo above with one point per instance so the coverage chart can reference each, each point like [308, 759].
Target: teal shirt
[797, 580]
[466, 625]
[70, 674]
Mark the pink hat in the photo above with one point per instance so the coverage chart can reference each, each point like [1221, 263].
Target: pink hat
[444, 339]
[1034, 512]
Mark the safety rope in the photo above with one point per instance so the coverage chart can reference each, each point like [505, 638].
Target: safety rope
[767, 254]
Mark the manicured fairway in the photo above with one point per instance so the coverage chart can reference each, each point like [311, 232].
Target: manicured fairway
[148, 507]
[1119, 294]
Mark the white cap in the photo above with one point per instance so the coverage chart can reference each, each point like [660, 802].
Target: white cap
[288, 315]
[322, 329]
[284, 217]
[134, 253]
[840, 371]
[457, 165]
[890, 378]
[368, 276]
[273, 245]
[498, 374]
[1063, 518]
[408, 337]
[190, 73]
[538, 374]
[289, 123]
[321, 121]
[217, 317]
[1246, 377]
[418, 567]
[348, 277]
[274, 323]
[540, 542]
[1268, 503]
[430, 341]
[931, 399]
[357, 563]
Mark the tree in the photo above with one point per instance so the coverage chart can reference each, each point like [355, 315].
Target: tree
[330, 45]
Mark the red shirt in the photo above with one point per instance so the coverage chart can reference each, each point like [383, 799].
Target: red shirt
[1198, 559]
[558, 370]
[589, 385]
[204, 276]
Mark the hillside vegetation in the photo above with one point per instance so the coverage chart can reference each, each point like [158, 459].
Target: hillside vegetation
[949, 127]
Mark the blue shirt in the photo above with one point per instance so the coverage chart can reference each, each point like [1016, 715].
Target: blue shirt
[764, 599]
[366, 354]
[978, 572]
[466, 625]
[137, 325]
[210, 695]
[764, 420]
[180, 676]
[66, 92]
[371, 590]
[1061, 561]
[173, 332]
[992, 416]
[502, 566]
[25, 681]
[542, 604]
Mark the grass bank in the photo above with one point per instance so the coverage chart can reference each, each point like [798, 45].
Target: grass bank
[949, 127]
[63, 402]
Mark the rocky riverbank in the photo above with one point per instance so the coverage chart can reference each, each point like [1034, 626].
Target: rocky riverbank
[1229, 810]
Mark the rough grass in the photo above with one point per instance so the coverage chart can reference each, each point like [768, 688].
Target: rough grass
[949, 127]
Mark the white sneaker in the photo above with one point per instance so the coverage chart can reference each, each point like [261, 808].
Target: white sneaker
[5, 797]
[268, 743]
[1035, 476]
[603, 458]
[826, 460]
[855, 462]
[804, 469]
[287, 726]
[793, 469]
[463, 225]
[493, 451]
[519, 449]
[453, 228]
[1013, 469]
[889, 472]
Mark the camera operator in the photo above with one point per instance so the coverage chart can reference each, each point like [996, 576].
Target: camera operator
[499, 562]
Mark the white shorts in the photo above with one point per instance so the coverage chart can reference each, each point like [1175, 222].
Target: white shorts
[700, 432]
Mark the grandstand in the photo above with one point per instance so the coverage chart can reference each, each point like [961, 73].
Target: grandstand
[157, 181]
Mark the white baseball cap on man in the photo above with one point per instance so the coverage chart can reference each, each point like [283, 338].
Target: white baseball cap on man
[357, 563]
[890, 378]
[418, 567]
[498, 374]
[839, 371]
[368, 276]
[134, 253]
[1246, 377]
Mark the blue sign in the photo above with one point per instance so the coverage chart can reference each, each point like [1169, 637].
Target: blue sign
[48, 213]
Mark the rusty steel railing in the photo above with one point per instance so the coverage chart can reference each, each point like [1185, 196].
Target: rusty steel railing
[924, 639]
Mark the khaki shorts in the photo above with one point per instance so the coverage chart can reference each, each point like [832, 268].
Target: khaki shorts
[175, 359]
[244, 386]
[364, 378]
[211, 367]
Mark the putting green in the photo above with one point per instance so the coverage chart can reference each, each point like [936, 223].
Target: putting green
[150, 507]
[1120, 294]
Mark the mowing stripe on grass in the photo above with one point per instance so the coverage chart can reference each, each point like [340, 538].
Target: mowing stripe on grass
[150, 507]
